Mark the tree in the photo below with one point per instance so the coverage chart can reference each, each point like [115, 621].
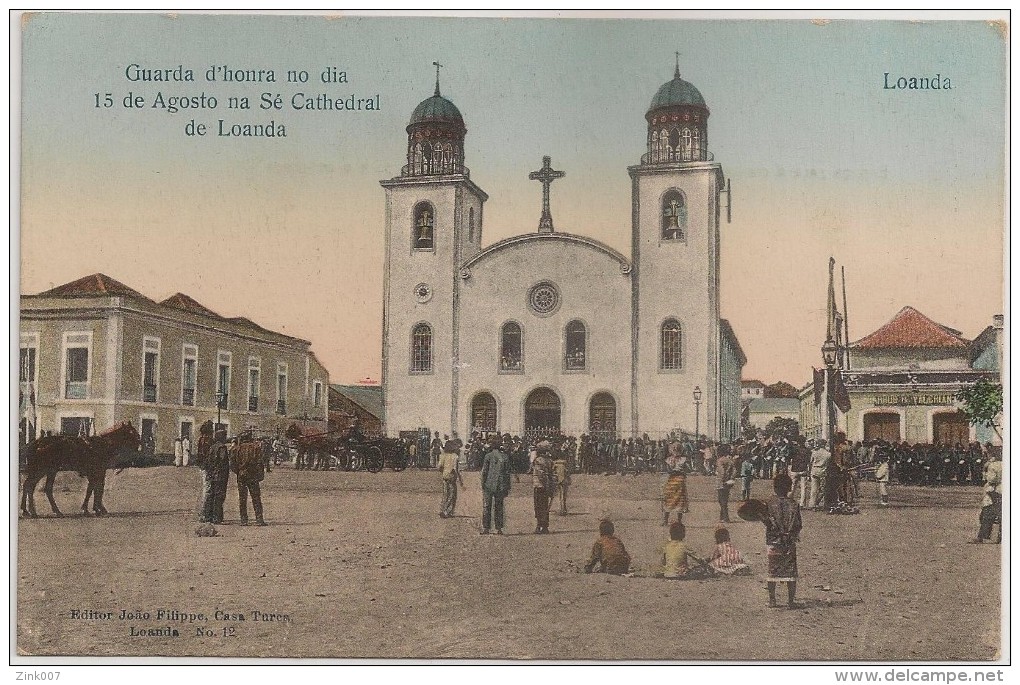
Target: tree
[780, 389]
[981, 403]
[783, 428]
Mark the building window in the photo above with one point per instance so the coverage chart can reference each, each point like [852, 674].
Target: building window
[421, 349]
[674, 216]
[511, 348]
[26, 365]
[189, 375]
[281, 388]
[254, 379]
[672, 345]
[150, 369]
[697, 144]
[576, 346]
[76, 365]
[423, 231]
[471, 225]
[317, 394]
[687, 145]
[223, 380]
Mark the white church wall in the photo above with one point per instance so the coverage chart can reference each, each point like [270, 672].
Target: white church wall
[591, 287]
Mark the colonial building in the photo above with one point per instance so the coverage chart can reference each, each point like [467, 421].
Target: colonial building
[762, 410]
[902, 382]
[95, 352]
[751, 389]
[550, 330]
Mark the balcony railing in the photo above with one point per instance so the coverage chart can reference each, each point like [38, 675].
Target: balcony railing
[664, 159]
[253, 404]
[281, 407]
[188, 397]
[149, 393]
[448, 169]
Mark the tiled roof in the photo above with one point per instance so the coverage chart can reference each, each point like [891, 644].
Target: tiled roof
[90, 286]
[368, 397]
[188, 304]
[912, 329]
[752, 383]
[777, 405]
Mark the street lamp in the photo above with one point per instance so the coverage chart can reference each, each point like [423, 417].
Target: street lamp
[829, 351]
[697, 413]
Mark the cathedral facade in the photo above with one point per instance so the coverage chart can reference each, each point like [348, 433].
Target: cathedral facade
[530, 334]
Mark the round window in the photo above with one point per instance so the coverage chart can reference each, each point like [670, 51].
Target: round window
[422, 293]
[544, 298]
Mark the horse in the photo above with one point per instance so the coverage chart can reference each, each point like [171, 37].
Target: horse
[312, 450]
[89, 456]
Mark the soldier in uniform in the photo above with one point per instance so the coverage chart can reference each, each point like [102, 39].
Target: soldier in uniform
[976, 459]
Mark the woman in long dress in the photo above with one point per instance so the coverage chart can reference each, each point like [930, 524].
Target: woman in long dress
[782, 532]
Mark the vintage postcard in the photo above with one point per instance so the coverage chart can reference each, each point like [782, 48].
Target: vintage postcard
[648, 338]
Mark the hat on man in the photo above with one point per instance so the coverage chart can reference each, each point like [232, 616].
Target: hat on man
[544, 446]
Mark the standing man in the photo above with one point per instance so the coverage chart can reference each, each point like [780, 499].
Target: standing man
[882, 477]
[449, 471]
[434, 449]
[220, 472]
[178, 452]
[561, 470]
[495, 485]
[991, 504]
[247, 463]
[186, 450]
[542, 479]
[724, 470]
[820, 458]
[800, 469]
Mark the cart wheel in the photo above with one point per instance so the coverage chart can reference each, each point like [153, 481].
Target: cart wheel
[374, 460]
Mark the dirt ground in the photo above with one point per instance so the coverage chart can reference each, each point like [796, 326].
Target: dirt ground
[361, 565]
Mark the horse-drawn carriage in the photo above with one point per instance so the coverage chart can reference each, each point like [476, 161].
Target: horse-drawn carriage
[347, 450]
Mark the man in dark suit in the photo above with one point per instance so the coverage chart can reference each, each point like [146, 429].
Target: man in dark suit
[495, 485]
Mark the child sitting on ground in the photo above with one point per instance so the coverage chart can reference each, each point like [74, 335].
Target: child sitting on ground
[726, 559]
[608, 555]
[674, 553]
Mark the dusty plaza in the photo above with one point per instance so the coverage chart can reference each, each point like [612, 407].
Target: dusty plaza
[360, 565]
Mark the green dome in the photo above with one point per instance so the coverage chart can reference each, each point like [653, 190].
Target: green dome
[436, 107]
[677, 93]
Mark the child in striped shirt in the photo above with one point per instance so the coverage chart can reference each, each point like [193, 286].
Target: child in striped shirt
[726, 559]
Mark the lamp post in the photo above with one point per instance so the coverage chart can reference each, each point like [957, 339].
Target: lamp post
[829, 351]
[219, 405]
[697, 413]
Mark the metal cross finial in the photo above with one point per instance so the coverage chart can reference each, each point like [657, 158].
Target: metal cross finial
[676, 73]
[546, 175]
[437, 65]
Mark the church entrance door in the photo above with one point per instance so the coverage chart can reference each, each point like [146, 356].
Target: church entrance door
[483, 413]
[602, 415]
[542, 412]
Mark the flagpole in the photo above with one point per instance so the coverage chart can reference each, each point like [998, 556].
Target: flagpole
[846, 320]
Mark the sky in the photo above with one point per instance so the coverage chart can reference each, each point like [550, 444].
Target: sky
[905, 188]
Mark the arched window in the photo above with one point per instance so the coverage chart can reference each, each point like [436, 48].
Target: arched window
[471, 224]
[423, 230]
[416, 158]
[421, 349]
[672, 345]
[447, 157]
[663, 146]
[575, 358]
[674, 144]
[686, 150]
[674, 216]
[483, 413]
[697, 144]
[511, 348]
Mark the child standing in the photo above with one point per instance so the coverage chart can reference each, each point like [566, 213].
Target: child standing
[882, 476]
[674, 492]
[608, 555]
[726, 559]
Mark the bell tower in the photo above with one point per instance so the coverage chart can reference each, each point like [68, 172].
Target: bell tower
[433, 224]
[675, 251]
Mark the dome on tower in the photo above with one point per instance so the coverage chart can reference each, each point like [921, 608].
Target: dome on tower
[436, 108]
[677, 93]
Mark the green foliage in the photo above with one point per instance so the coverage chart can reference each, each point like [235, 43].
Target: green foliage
[982, 403]
[780, 427]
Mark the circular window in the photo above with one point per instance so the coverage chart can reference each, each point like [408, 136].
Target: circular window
[544, 298]
[422, 292]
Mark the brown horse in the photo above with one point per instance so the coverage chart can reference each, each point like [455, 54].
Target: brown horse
[90, 457]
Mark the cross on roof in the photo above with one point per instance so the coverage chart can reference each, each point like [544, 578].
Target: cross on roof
[437, 65]
[546, 175]
[676, 72]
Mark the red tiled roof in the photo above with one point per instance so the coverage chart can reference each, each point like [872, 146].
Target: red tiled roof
[912, 329]
[90, 286]
[188, 304]
[752, 383]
